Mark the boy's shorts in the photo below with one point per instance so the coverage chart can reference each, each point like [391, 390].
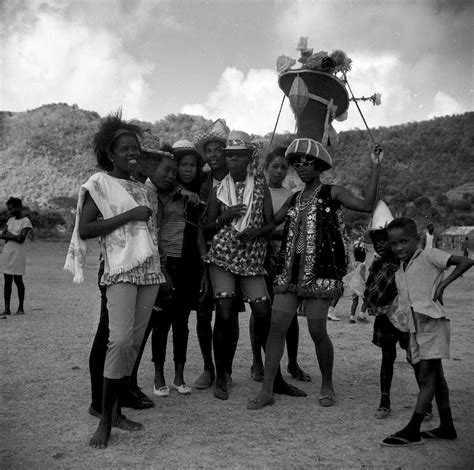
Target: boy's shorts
[431, 340]
[385, 334]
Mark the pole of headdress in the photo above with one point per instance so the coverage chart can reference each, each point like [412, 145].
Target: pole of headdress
[276, 123]
[358, 107]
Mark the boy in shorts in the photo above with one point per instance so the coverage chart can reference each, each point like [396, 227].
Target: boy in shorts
[420, 287]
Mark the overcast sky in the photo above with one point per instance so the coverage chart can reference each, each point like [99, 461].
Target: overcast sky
[217, 58]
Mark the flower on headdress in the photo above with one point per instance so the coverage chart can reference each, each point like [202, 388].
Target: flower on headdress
[377, 99]
[302, 44]
[327, 65]
[342, 63]
[284, 63]
[320, 61]
[305, 55]
[314, 62]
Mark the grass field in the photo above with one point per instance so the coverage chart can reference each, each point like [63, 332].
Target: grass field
[45, 394]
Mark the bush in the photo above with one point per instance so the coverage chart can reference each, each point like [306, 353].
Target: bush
[461, 205]
[422, 201]
[43, 222]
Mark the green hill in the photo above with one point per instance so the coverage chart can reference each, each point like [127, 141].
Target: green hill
[428, 172]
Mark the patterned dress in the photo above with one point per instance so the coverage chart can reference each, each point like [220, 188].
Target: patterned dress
[233, 254]
[313, 255]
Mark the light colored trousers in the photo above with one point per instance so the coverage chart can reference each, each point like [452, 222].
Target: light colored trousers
[129, 307]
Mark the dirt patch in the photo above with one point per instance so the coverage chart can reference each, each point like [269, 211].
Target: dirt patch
[45, 394]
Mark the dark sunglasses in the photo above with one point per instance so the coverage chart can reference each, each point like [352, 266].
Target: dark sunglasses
[307, 163]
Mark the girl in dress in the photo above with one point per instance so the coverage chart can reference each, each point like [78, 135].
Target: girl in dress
[277, 170]
[119, 209]
[13, 260]
[180, 243]
[241, 215]
[312, 260]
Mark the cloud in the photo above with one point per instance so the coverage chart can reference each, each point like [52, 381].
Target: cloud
[66, 61]
[444, 104]
[251, 102]
[248, 102]
[408, 51]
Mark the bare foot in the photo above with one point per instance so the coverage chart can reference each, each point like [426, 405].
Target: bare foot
[101, 437]
[121, 422]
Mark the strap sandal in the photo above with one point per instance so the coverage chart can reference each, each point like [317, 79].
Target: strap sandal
[183, 389]
[259, 403]
[400, 441]
[382, 412]
[298, 373]
[327, 400]
[162, 391]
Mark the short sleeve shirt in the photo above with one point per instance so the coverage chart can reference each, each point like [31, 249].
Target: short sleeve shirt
[418, 282]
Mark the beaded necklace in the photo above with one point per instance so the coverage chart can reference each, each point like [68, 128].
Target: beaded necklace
[307, 202]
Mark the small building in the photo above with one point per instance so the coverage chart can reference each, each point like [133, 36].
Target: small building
[452, 238]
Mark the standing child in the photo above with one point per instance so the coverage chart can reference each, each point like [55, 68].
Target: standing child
[240, 214]
[421, 286]
[356, 281]
[179, 238]
[13, 261]
[119, 210]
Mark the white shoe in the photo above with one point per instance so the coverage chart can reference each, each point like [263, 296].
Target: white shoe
[333, 317]
[182, 389]
[162, 391]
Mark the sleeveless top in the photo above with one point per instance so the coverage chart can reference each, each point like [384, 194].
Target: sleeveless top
[313, 254]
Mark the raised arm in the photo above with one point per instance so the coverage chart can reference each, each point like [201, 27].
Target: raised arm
[462, 265]
[91, 227]
[350, 200]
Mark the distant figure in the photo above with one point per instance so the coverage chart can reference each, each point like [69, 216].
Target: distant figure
[430, 238]
[13, 259]
[465, 247]
[356, 280]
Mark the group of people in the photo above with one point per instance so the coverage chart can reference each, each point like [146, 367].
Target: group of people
[175, 238]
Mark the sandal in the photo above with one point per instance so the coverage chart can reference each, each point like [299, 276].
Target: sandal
[298, 373]
[436, 434]
[162, 391]
[137, 400]
[327, 400]
[399, 441]
[183, 389]
[382, 412]
[258, 403]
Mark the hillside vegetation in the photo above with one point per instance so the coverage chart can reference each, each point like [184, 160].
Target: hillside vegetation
[428, 172]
